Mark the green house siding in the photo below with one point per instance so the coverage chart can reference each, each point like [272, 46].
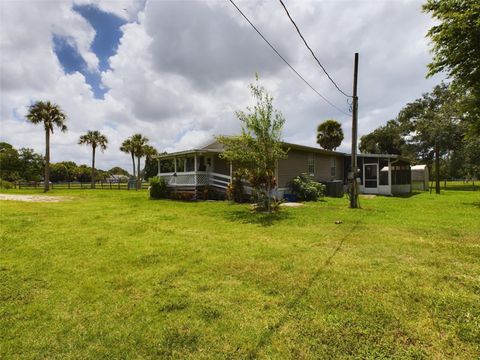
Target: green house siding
[297, 163]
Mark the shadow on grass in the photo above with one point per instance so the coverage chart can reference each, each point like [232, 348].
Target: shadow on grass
[466, 187]
[266, 337]
[406, 196]
[474, 204]
[246, 216]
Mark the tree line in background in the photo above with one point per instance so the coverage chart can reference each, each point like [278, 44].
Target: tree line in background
[442, 127]
[24, 164]
[431, 130]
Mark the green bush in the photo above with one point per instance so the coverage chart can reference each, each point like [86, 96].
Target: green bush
[158, 188]
[7, 185]
[305, 188]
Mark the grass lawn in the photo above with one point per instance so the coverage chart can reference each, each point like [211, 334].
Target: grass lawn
[111, 274]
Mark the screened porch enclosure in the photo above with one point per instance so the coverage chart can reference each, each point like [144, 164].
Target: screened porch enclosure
[383, 174]
[194, 169]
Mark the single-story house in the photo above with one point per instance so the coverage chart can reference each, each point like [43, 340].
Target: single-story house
[378, 174]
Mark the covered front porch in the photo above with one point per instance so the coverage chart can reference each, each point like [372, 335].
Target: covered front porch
[194, 168]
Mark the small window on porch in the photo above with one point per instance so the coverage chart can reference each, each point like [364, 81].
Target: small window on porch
[333, 167]
[190, 164]
[311, 164]
[180, 165]
[201, 163]
[167, 166]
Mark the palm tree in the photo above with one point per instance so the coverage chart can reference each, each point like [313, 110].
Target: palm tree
[128, 148]
[50, 115]
[138, 144]
[329, 134]
[94, 139]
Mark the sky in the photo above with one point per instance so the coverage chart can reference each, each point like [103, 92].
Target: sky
[176, 71]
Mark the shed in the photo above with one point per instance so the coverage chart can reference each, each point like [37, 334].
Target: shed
[420, 177]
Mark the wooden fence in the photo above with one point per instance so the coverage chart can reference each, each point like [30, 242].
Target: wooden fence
[78, 185]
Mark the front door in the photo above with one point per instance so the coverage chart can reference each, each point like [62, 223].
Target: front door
[370, 177]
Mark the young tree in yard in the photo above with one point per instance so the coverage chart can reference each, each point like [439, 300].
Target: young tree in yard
[127, 147]
[256, 151]
[433, 126]
[138, 145]
[455, 41]
[94, 139]
[50, 115]
[329, 134]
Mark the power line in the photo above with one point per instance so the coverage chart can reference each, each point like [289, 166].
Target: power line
[311, 51]
[286, 62]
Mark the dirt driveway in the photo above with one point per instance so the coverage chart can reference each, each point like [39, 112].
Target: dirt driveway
[33, 198]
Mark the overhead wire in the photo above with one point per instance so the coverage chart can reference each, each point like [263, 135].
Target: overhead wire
[286, 62]
[311, 51]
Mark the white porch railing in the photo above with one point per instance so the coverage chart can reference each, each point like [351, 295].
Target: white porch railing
[196, 178]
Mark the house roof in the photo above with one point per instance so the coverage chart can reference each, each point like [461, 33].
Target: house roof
[216, 147]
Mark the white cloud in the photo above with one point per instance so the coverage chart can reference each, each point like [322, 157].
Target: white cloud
[183, 68]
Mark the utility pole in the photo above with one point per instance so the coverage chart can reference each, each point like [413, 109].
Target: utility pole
[353, 181]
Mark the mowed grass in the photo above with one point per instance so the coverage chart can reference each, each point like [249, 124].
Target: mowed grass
[111, 274]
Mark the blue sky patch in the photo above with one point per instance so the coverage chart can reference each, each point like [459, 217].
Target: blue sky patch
[105, 44]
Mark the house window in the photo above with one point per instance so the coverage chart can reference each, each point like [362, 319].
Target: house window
[333, 167]
[311, 164]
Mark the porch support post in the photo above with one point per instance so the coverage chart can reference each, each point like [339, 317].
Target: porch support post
[390, 175]
[195, 173]
[158, 164]
[195, 167]
[231, 173]
[175, 170]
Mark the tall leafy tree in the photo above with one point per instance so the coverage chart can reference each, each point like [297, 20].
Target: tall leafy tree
[329, 134]
[9, 162]
[31, 164]
[386, 139]
[151, 166]
[116, 170]
[127, 147]
[51, 116]
[139, 143]
[433, 126]
[456, 50]
[256, 151]
[96, 140]
[472, 159]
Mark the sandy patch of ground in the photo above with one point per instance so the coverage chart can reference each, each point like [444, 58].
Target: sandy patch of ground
[291, 204]
[33, 198]
[368, 196]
